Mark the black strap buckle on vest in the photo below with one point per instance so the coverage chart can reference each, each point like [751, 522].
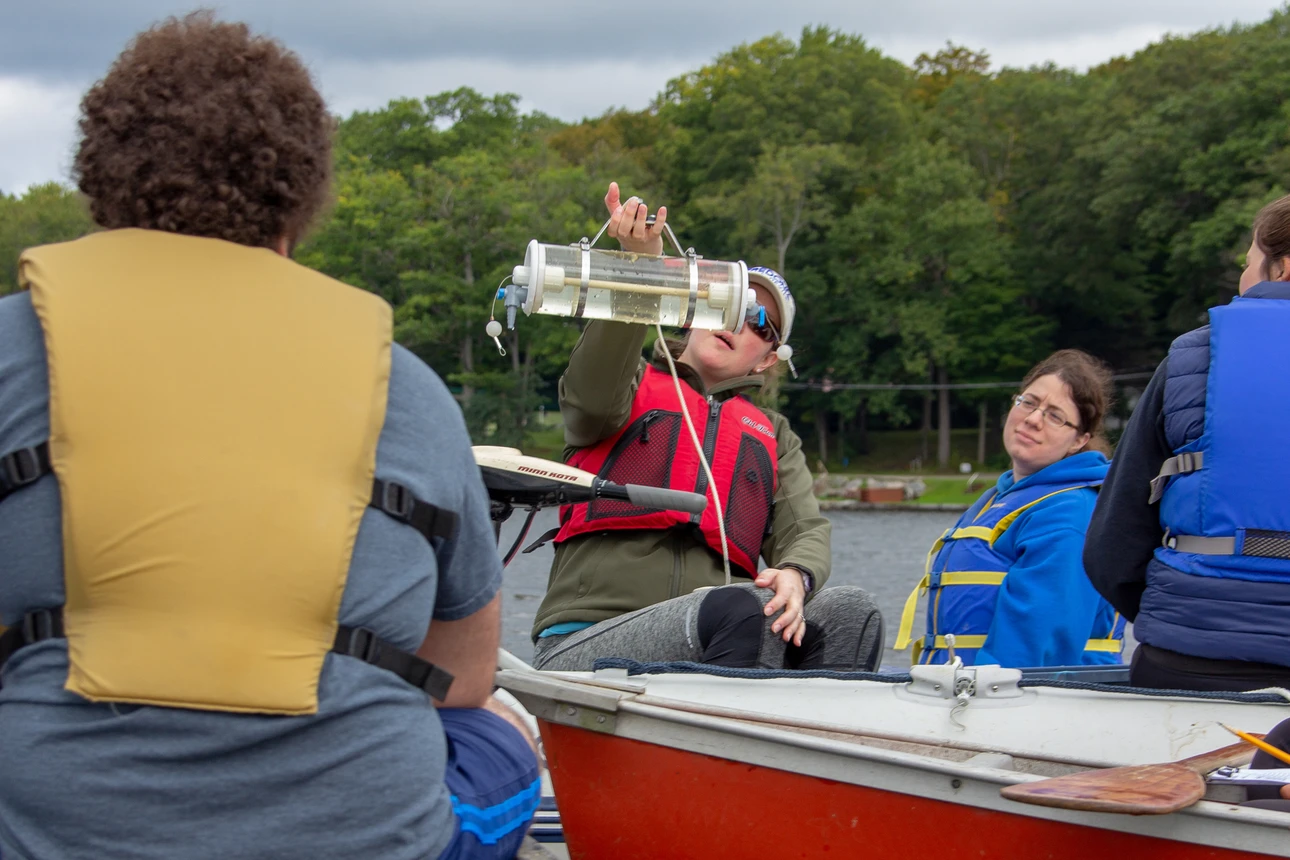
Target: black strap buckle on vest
[32, 628]
[352, 641]
[363, 644]
[23, 467]
[399, 502]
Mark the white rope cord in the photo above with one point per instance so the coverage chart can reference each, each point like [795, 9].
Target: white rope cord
[698, 447]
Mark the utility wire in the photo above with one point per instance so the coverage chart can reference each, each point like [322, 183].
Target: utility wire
[927, 386]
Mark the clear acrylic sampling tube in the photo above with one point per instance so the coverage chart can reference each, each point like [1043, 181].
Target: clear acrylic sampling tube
[587, 283]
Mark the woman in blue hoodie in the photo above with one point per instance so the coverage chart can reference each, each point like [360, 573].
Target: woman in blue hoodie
[1007, 580]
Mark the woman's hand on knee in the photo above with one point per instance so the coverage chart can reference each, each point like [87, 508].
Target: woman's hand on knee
[790, 597]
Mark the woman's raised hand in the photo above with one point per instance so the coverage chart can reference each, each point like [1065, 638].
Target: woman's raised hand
[627, 223]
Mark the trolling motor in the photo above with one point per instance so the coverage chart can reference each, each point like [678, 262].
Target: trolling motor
[516, 480]
[585, 282]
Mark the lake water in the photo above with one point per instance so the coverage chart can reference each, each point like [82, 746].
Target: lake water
[881, 551]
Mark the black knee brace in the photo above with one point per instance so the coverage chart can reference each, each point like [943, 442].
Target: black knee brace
[730, 622]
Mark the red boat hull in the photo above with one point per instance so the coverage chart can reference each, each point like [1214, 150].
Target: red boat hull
[622, 799]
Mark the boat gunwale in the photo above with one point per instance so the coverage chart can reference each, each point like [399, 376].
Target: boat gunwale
[608, 692]
[795, 723]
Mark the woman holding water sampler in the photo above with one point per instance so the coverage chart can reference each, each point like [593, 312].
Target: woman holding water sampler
[646, 584]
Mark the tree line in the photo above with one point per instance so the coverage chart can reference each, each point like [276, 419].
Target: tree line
[942, 223]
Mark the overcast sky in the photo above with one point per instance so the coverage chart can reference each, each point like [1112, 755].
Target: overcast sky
[568, 58]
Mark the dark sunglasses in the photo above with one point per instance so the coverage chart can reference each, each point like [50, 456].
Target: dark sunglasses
[762, 326]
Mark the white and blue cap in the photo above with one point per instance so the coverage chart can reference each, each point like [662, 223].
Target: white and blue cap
[775, 284]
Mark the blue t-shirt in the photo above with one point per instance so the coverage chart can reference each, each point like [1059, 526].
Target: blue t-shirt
[361, 778]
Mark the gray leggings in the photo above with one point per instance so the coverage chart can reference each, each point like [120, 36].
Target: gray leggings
[844, 620]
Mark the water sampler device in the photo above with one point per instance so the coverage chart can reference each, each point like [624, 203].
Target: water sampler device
[582, 281]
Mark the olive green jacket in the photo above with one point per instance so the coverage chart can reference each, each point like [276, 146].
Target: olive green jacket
[601, 575]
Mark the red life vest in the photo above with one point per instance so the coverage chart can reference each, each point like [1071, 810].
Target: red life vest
[655, 449]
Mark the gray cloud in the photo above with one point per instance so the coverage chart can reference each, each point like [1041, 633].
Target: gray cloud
[76, 39]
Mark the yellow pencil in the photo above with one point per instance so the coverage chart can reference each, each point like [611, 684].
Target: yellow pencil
[1263, 745]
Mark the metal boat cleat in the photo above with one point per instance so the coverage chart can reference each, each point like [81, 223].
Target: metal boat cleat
[956, 681]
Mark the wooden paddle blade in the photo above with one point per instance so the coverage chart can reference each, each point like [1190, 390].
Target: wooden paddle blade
[1149, 789]
[1140, 789]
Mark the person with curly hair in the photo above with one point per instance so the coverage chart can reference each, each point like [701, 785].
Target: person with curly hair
[226, 139]
[244, 541]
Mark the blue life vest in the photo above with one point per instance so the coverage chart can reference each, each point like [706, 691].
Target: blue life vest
[1219, 587]
[965, 570]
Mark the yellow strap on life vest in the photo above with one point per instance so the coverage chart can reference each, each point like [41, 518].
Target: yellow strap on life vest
[1109, 644]
[214, 416]
[907, 614]
[969, 577]
[1113, 646]
[931, 553]
[964, 641]
[940, 644]
[974, 577]
[978, 532]
[1003, 524]
[991, 534]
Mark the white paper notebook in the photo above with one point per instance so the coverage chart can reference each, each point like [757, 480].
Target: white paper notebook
[1249, 776]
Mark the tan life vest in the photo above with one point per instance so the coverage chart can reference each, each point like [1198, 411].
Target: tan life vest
[214, 416]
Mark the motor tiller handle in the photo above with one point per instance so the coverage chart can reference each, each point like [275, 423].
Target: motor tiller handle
[653, 497]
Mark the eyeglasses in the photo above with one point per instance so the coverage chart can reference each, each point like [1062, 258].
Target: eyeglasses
[1053, 417]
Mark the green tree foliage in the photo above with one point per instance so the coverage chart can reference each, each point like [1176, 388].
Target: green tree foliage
[785, 196]
[932, 286]
[949, 222]
[436, 201]
[44, 214]
[772, 111]
[936, 72]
